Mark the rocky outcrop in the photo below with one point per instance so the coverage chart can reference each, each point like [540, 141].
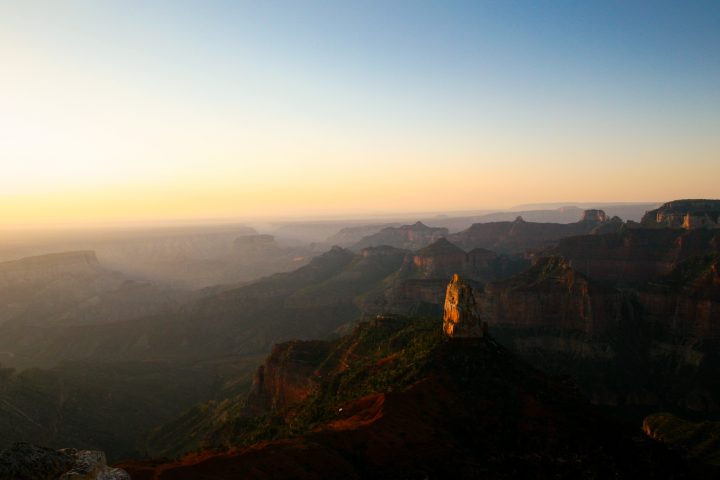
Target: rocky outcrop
[461, 318]
[686, 214]
[408, 237]
[28, 462]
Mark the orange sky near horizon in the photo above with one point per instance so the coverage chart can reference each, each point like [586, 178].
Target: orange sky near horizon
[159, 113]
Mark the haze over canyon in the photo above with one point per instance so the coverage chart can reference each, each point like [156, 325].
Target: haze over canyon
[362, 240]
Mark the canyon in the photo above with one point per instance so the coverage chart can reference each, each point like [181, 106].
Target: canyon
[626, 314]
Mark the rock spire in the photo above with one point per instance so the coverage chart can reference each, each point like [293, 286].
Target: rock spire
[461, 318]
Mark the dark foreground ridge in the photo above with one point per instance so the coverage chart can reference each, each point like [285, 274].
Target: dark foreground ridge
[28, 462]
[397, 398]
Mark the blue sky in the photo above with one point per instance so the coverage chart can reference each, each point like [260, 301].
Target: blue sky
[265, 97]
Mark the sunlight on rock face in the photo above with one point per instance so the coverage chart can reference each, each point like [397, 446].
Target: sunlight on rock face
[461, 318]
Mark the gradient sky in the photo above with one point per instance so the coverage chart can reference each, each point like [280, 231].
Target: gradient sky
[130, 110]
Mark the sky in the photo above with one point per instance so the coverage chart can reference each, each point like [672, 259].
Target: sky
[148, 111]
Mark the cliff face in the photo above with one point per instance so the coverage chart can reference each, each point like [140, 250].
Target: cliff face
[636, 255]
[686, 302]
[686, 214]
[287, 376]
[651, 345]
[461, 318]
[550, 294]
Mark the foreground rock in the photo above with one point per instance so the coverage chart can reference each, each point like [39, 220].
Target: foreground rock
[23, 461]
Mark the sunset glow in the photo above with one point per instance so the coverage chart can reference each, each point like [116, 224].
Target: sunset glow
[162, 111]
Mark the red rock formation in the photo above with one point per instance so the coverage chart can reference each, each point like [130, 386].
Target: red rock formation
[461, 318]
[287, 376]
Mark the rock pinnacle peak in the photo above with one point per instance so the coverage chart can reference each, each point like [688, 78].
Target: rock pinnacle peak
[461, 318]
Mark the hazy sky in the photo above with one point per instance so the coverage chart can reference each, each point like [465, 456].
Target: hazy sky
[175, 109]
